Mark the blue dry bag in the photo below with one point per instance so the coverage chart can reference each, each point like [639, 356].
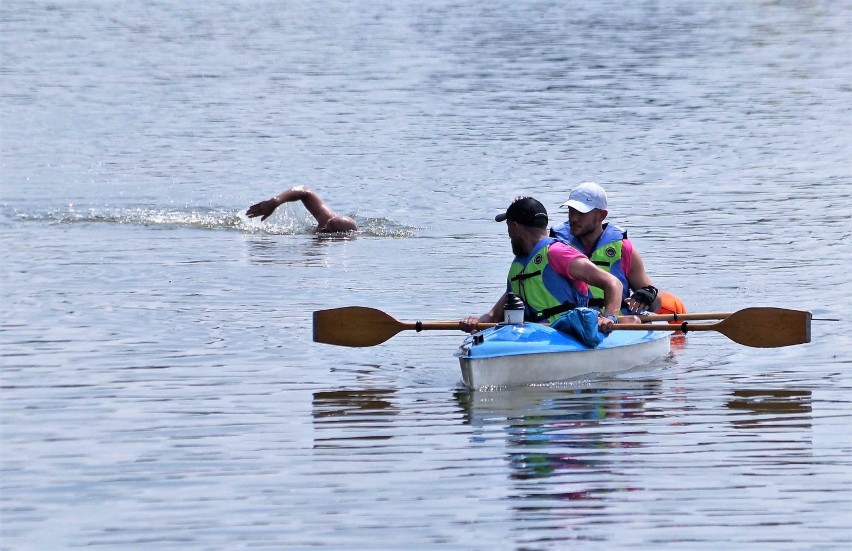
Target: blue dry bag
[581, 323]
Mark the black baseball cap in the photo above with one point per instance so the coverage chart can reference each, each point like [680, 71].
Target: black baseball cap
[526, 211]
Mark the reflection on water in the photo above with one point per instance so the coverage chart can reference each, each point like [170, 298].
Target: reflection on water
[352, 418]
[556, 432]
[564, 450]
[771, 409]
[557, 438]
[575, 450]
[305, 250]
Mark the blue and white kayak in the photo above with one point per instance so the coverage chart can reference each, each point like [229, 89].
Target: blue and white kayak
[531, 353]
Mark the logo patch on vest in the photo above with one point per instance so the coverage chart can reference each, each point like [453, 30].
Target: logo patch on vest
[537, 259]
[610, 252]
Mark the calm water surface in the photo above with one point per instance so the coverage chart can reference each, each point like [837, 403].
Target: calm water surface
[160, 388]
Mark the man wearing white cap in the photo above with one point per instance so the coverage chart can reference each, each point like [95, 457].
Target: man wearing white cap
[607, 246]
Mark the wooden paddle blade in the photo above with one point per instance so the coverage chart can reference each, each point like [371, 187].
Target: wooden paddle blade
[354, 326]
[759, 327]
[764, 327]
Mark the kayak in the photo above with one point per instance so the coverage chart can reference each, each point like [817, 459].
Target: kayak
[535, 354]
[516, 354]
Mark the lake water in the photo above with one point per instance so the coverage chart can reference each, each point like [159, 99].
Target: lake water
[160, 387]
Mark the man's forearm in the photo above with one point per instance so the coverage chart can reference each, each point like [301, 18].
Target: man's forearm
[292, 194]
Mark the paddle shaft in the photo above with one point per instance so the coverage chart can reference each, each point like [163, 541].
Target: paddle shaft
[761, 327]
[449, 325]
[437, 325]
[443, 325]
[683, 327]
[685, 317]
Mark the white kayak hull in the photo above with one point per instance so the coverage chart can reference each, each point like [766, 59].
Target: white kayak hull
[534, 354]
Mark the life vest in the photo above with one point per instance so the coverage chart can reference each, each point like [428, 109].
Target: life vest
[606, 256]
[546, 294]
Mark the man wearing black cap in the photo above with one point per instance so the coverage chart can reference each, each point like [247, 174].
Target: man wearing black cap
[549, 276]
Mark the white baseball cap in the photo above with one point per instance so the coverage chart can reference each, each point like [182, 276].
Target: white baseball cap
[586, 197]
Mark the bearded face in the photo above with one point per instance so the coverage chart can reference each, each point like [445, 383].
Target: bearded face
[583, 225]
[518, 247]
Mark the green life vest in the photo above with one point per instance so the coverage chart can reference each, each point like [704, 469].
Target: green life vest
[606, 256]
[546, 294]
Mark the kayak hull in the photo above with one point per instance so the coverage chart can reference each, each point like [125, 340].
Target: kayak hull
[531, 354]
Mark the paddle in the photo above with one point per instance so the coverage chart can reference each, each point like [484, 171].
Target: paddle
[762, 327]
[362, 326]
[757, 327]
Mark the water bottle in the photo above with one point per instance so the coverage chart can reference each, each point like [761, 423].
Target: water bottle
[513, 309]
